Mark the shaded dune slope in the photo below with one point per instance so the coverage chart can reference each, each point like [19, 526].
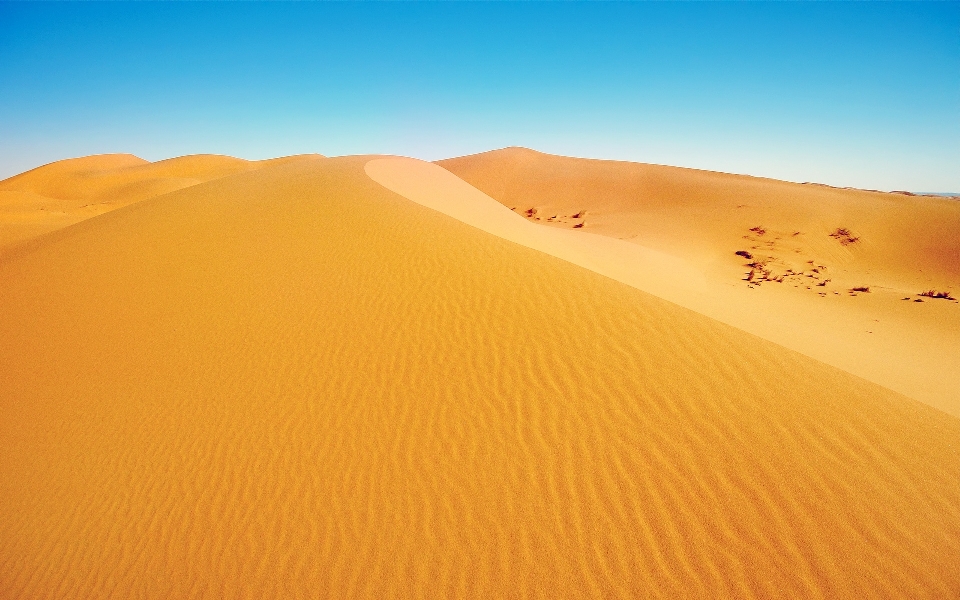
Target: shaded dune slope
[65, 192]
[295, 383]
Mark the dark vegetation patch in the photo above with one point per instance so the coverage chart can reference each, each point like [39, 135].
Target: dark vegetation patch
[936, 294]
[844, 236]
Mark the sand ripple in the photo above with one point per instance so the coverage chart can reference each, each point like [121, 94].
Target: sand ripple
[295, 383]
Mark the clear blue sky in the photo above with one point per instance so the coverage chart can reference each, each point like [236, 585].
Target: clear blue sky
[860, 94]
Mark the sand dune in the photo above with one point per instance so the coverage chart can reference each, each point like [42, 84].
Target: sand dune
[69, 191]
[292, 382]
[909, 243]
[799, 294]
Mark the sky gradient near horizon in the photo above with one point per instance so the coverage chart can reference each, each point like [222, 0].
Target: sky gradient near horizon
[849, 94]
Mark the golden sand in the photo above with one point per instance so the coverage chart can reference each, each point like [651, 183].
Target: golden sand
[907, 243]
[69, 191]
[804, 274]
[294, 383]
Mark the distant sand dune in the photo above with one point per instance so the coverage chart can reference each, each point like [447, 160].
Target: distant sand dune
[69, 191]
[294, 383]
[908, 241]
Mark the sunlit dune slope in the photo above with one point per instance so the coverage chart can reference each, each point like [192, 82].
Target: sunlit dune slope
[295, 383]
[910, 243]
[839, 275]
[68, 191]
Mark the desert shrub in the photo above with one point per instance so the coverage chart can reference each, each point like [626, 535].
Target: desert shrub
[936, 294]
[844, 236]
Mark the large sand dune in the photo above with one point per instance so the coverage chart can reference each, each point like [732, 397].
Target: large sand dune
[803, 250]
[295, 383]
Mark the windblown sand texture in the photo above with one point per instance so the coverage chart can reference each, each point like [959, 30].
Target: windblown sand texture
[808, 249]
[295, 383]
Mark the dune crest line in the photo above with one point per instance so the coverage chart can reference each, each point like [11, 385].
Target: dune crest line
[295, 383]
[835, 338]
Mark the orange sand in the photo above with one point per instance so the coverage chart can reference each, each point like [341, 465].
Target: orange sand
[294, 383]
[698, 219]
[69, 191]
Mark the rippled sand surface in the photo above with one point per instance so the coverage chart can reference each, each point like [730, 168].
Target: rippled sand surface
[294, 383]
[836, 274]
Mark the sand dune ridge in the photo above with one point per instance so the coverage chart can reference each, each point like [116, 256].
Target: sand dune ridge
[293, 382]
